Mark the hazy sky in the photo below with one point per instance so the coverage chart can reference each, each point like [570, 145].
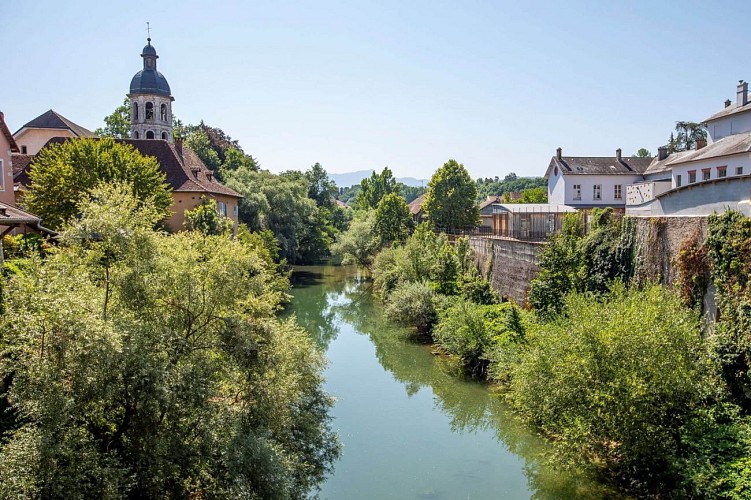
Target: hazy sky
[406, 84]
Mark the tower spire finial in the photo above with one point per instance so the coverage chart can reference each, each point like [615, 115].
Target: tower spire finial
[148, 30]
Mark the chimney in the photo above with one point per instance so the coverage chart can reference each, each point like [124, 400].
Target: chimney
[662, 153]
[179, 146]
[618, 154]
[701, 143]
[742, 93]
[559, 153]
[728, 102]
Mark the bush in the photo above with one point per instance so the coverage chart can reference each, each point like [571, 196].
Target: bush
[614, 381]
[471, 331]
[412, 304]
[478, 290]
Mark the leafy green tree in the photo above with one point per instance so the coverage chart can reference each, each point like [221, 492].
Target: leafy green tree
[393, 221]
[375, 188]
[450, 200]
[64, 174]
[688, 133]
[206, 219]
[189, 387]
[117, 125]
[613, 381]
[531, 195]
[643, 153]
[320, 188]
[198, 141]
[411, 304]
[359, 244]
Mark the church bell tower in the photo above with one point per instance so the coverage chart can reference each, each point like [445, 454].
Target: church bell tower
[150, 100]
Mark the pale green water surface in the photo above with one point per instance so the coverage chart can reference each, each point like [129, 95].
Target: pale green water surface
[409, 428]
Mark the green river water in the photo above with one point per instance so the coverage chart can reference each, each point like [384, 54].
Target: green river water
[410, 428]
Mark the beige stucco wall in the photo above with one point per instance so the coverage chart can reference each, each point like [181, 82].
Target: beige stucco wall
[35, 138]
[183, 201]
[6, 173]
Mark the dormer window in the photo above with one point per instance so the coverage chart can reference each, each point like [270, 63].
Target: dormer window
[163, 113]
[150, 111]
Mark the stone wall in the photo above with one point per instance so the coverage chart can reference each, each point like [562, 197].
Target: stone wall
[509, 265]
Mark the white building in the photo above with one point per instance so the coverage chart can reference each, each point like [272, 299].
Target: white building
[712, 178]
[585, 182]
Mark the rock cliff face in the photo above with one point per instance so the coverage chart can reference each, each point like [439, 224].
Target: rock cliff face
[511, 265]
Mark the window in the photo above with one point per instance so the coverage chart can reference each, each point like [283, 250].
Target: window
[235, 211]
[164, 136]
[722, 172]
[617, 192]
[691, 176]
[23, 150]
[706, 174]
[149, 134]
[149, 110]
[597, 195]
[678, 180]
[163, 113]
[577, 191]
[135, 111]
[738, 170]
[222, 209]
[137, 135]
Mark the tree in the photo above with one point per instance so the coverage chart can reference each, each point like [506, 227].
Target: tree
[688, 133]
[643, 153]
[64, 174]
[206, 219]
[359, 244]
[375, 188]
[393, 221]
[189, 388]
[450, 201]
[117, 125]
[320, 188]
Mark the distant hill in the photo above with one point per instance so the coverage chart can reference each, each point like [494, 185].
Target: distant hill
[348, 179]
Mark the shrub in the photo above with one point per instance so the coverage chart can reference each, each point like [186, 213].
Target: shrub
[614, 381]
[412, 304]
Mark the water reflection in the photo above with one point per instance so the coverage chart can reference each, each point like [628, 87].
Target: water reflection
[337, 296]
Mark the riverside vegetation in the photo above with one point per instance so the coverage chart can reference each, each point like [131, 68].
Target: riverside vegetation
[139, 364]
[619, 373]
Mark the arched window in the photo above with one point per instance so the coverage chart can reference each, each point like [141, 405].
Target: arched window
[149, 110]
[137, 136]
[164, 136]
[149, 134]
[164, 113]
[135, 111]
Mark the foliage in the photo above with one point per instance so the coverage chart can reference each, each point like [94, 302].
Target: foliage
[729, 246]
[205, 218]
[611, 394]
[320, 188]
[469, 331]
[64, 174]
[450, 200]
[425, 256]
[643, 153]
[693, 267]
[116, 125]
[24, 245]
[509, 184]
[411, 303]
[688, 133]
[478, 290]
[531, 195]
[393, 221]
[360, 243]
[375, 188]
[280, 204]
[189, 387]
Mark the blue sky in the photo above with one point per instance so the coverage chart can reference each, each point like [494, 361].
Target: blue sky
[358, 85]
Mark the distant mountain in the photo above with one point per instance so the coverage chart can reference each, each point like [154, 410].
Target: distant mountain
[348, 179]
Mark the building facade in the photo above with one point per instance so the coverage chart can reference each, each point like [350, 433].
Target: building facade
[150, 100]
[35, 134]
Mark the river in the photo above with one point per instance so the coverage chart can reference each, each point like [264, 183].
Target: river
[411, 427]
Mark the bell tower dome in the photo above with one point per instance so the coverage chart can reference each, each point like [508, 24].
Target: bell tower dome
[150, 100]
